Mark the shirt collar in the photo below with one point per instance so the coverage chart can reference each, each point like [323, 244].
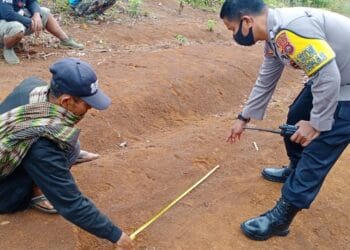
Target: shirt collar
[272, 20]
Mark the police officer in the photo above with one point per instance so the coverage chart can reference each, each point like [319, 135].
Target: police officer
[315, 41]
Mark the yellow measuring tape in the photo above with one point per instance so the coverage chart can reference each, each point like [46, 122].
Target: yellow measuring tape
[144, 226]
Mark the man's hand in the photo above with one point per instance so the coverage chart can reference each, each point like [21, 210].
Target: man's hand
[236, 131]
[37, 24]
[125, 242]
[305, 133]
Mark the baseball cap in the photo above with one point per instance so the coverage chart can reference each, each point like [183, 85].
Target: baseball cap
[77, 78]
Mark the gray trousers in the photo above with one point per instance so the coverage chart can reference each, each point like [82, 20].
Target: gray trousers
[12, 28]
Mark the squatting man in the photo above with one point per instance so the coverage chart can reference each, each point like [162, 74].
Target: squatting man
[39, 143]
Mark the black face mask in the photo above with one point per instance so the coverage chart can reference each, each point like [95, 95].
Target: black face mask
[244, 40]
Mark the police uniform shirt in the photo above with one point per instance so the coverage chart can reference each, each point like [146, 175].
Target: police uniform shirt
[317, 41]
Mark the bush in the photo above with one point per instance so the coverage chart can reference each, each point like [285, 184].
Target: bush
[342, 6]
[181, 39]
[306, 3]
[134, 7]
[204, 3]
[211, 24]
[61, 6]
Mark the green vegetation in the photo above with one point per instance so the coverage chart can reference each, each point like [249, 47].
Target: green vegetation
[134, 7]
[211, 24]
[309, 3]
[181, 39]
[60, 6]
[204, 4]
[341, 6]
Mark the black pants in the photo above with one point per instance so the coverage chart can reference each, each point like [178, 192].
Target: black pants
[299, 110]
[314, 161]
[15, 191]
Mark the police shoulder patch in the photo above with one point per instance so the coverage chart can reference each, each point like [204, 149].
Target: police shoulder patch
[310, 54]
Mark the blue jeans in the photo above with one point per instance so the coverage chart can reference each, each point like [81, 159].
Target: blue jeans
[16, 190]
[314, 162]
[74, 154]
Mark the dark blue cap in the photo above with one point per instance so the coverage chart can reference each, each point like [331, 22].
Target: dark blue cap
[77, 78]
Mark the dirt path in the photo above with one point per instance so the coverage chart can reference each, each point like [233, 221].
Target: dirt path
[174, 105]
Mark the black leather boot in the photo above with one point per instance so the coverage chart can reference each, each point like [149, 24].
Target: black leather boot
[278, 174]
[274, 222]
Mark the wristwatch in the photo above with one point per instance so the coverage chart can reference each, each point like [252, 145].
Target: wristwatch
[242, 118]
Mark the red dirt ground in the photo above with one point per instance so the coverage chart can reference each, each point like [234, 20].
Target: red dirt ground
[174, 106]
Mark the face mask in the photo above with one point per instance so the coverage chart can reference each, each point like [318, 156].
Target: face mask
[244, 40]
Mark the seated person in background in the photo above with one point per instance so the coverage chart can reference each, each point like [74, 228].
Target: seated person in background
[90, 7]
[38, 144]
[24, 17]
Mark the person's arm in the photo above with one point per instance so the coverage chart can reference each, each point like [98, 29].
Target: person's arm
[318, 60]
[325, 93]
[9, 14]
[33, 6]
[34, 9]
[46, 164]
[269, 74]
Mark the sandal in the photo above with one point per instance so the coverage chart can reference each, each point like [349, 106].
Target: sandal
[35, 203]
[10, 56]
[85, 156]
